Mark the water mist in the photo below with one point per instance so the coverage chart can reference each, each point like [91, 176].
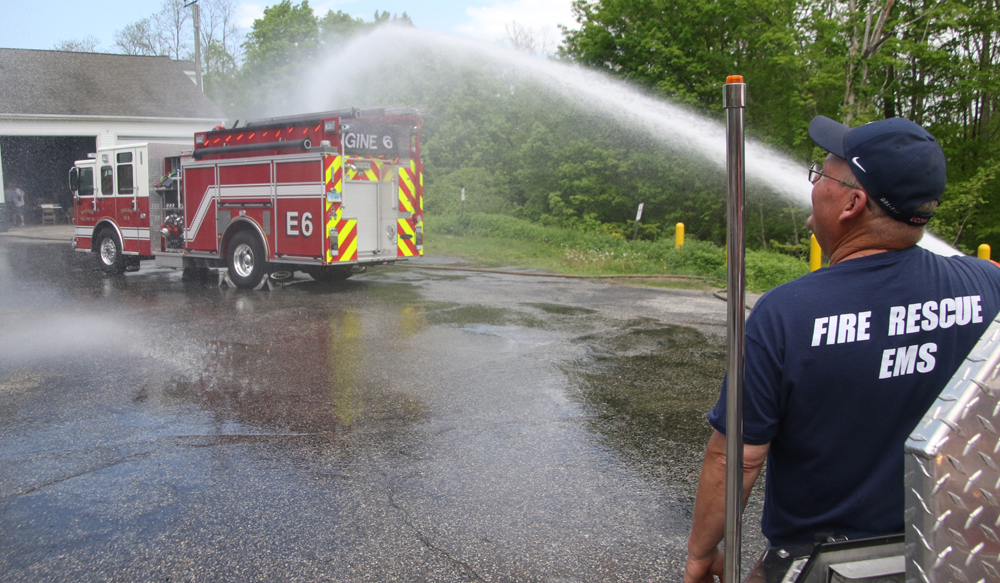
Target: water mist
[374, 58]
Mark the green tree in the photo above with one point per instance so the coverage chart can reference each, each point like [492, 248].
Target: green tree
[221, 50]
[277, 50]
[685, 51]
[337, 28]
[284, 37]
[933, 61]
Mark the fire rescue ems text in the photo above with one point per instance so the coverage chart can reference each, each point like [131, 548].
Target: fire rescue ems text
[903, 320]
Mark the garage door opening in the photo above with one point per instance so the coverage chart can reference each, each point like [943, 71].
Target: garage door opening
[39, 165]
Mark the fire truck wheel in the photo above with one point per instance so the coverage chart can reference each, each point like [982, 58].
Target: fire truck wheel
[109, 253]
[246, 260]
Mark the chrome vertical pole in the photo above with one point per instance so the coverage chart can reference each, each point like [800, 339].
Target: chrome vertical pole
[734, 100]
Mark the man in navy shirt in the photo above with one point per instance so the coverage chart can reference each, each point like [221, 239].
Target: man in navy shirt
[842, 364]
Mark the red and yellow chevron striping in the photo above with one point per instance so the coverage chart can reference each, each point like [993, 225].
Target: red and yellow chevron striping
[406, 239]
[333, 171]
[346, 231]
[407, 190]
[409, 202]
[333, 167]
[361, 169]
[347, 240]
[419, 171]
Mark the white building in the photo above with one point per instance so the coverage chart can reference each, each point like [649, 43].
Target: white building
[57, 106]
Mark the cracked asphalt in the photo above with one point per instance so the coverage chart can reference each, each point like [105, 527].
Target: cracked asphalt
[405, 425]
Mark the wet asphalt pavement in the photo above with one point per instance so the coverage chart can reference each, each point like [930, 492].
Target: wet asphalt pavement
[405, 425]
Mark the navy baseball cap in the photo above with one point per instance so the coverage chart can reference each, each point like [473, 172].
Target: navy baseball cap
[899, 164]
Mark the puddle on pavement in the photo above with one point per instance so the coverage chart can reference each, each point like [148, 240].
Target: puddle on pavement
[328, 373]
[648, 388]
[336, 393]
[17, 386]
[561, 310]
[442, 275]
[465, 314]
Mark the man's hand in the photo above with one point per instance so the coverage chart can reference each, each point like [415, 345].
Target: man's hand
[705, 561]
[704, 569]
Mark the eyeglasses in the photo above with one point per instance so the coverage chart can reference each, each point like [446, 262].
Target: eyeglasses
[815, 174]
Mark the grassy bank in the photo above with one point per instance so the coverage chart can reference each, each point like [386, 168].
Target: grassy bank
[503, 241]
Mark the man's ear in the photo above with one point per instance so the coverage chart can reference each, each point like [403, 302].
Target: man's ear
[856, 205]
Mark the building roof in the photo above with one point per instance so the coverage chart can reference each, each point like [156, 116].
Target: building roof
[95, 84]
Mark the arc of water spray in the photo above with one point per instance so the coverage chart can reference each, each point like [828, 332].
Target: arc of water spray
[390, 48]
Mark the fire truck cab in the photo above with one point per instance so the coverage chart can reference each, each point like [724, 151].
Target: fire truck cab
[327, 194]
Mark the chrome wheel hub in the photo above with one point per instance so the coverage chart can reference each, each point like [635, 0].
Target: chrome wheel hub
[243, 260]
[109, 252]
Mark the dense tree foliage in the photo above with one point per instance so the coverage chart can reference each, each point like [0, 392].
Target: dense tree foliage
[280, 47]
[520, 150]
[527, 153]
[515, 146]
[685, 50]
[936, 62]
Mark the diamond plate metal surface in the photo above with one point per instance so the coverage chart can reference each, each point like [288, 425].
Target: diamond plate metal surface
[952, 477]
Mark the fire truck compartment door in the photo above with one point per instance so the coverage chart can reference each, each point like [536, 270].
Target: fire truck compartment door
[361, 203]
[127, 170]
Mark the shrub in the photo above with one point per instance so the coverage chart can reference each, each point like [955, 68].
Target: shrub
[694, 258]
[766, 270]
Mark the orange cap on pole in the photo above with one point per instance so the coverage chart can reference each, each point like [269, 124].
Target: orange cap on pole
[734, 79]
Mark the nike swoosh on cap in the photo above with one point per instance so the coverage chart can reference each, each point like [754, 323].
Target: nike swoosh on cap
[858, 164]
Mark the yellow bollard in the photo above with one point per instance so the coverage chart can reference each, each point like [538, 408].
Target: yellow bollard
[815, 254]
[679, 236]
[984, 252]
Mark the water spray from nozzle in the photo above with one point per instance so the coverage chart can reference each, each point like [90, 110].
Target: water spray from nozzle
[412, 50]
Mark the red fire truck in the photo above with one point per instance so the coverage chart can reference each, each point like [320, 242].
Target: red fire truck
[327, 194]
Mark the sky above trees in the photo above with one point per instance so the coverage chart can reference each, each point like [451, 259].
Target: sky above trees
[24, 26]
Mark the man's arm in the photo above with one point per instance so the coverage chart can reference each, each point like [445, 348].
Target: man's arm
[708, 528]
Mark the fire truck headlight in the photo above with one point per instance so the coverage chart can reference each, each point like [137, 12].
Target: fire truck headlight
[330, 126]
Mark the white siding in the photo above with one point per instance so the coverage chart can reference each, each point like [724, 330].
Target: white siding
[108, 131]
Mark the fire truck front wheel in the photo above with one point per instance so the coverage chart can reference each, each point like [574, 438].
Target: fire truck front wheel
[246, 260]
[109, 253]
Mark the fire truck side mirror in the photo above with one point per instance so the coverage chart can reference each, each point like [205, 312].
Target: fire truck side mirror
[74, 181]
